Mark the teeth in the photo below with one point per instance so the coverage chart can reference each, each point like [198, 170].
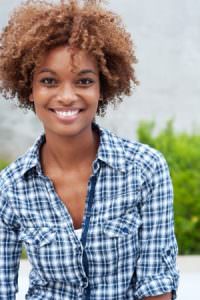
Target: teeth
[67, 113]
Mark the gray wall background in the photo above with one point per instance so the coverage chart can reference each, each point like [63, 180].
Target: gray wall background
[167, 39]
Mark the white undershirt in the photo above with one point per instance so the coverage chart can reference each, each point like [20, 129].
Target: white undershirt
[78, 233]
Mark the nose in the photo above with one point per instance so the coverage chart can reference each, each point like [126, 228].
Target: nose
[67, 93]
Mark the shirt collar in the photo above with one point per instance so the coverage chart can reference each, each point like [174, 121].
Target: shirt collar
[110, 151]
[31, 159]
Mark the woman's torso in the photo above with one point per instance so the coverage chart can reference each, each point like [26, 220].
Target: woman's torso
[100, 265]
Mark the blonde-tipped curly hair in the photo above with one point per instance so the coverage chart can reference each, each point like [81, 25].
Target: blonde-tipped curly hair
[37, 26]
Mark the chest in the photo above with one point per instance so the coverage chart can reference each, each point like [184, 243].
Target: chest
[72, 190]
[111, 228]
[41, 201]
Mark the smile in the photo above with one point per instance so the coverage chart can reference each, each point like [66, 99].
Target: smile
[67, 113]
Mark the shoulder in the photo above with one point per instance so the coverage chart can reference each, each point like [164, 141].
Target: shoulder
[135, 152]
[16, 170]
[12, 172]
[136, 159]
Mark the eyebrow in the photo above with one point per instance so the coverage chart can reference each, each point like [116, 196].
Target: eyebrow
[43, 70]
[82, 72]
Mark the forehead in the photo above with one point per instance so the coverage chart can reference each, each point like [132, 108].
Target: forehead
[68, 58]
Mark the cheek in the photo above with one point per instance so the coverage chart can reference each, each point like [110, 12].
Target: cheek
[94, 96]
[39, 93]
[38, 111]
[39, 90]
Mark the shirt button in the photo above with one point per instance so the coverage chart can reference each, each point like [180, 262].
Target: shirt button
[168, 252]
[80, 293]
[125, 230]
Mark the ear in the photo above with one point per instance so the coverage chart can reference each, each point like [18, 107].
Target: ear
[31, 98]
[100, 97]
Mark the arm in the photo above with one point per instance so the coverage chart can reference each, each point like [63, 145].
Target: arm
[10, 250]
[167, 296]
[156, 273]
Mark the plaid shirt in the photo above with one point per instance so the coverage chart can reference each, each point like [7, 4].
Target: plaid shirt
[127, 250]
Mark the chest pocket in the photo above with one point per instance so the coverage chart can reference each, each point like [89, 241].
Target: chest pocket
[115, 247]
[52, 253]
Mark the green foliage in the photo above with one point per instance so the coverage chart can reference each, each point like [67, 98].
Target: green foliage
[23, 255]
[3, 164]
[182, 152]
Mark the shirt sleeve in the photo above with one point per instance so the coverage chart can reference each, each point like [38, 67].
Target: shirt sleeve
[156, 272]
[10, 251]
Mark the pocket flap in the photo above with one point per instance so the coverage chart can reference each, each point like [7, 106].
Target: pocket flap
[124, 225]
[38, 237]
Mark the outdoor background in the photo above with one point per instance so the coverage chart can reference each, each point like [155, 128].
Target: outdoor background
[166, 35]
[167, 39]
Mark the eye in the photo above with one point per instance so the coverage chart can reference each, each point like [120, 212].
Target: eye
[49, 81]
[85, 81]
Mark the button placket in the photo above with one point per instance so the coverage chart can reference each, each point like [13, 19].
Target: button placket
[63, 214]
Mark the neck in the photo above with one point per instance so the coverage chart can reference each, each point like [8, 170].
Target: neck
[68, 153]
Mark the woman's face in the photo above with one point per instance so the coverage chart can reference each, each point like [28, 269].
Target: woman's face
[66, 91]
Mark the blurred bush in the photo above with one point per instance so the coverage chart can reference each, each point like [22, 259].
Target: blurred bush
[3, 164]
[182, 152]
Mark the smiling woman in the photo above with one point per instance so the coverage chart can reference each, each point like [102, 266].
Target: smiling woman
[86, 27]
[94, 211]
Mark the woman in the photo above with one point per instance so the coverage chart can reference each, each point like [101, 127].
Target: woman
[93, 211]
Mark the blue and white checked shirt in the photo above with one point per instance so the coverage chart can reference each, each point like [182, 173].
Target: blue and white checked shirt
[127, 249]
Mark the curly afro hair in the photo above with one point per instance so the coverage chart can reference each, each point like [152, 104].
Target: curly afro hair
[37, 26]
